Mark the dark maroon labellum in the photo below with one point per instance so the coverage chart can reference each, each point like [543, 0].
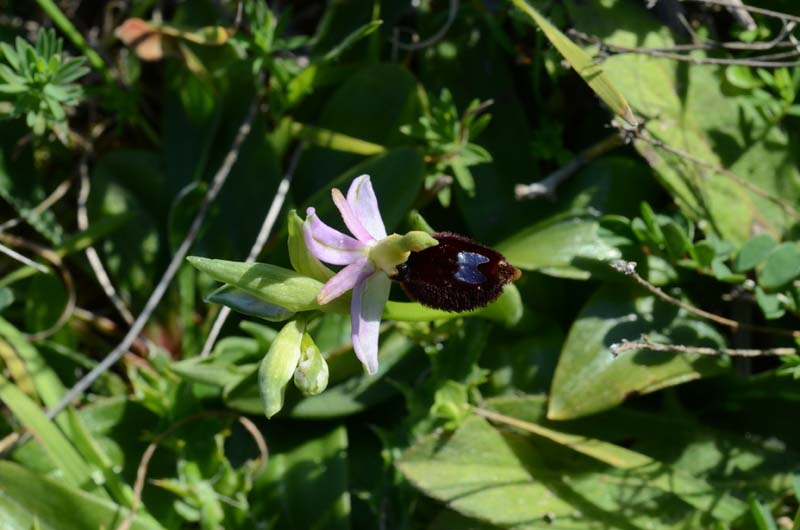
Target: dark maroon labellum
[458, 274]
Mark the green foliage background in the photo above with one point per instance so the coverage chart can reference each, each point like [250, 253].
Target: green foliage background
[520, 416]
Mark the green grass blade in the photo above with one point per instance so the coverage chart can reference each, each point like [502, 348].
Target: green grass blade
[62, 453]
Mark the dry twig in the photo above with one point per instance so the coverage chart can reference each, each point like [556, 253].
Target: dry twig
[547, 186]
[644, 343]
[92, 256]
[628, 268]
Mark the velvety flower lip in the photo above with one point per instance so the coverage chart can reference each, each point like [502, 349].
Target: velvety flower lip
[369, 283]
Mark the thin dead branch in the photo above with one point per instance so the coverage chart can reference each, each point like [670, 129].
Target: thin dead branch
[547, 187]
[628, 268]
[644, 343]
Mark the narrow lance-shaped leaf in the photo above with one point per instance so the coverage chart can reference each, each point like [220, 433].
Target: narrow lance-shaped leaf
[582, 63]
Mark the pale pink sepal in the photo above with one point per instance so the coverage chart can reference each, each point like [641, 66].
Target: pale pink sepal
[364, 203]
[350, 218]
[345, 280]
[328, 244]
[369, 298]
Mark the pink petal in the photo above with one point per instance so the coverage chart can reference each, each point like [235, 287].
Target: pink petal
[328, 244]
[369, 297]
[362, 200]
[350, 218]
[345, 280]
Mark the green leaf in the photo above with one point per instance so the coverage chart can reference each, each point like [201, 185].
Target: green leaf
[753, 252]
[210, 371]
[584, 65]
[589, 378]
[781, 266]
[560, 246]
[248, 304]
[273, 284]
[336, 141]
[677, 241]
[738, 135]
[60, 451]
[770, 304]
[351, 39]
[10, 55]
[762, 516]
[91, 449]
[693, 491]
[48, 386]
[27, 498]
[482, 472]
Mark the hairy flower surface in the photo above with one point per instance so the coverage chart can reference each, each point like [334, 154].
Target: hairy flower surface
[370, 258]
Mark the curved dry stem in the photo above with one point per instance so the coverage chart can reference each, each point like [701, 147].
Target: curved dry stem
[92, 256]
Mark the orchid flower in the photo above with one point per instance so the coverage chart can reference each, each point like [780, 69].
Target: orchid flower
[370, 258]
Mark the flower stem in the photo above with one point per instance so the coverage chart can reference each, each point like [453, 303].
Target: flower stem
[75, 36]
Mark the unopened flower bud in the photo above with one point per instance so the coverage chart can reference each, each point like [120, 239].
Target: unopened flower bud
[311, 376]
[279, 364]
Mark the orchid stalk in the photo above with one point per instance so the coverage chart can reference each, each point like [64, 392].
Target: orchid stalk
[370, 258]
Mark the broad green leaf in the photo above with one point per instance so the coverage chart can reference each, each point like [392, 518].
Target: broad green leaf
[738, 135]
[589, 378]
[562, 246]
[658, 475]
[484, 473]
[26, 497]
[306, 486]
[61, 452]
[781, 266]
[753, 252]
[584, 65]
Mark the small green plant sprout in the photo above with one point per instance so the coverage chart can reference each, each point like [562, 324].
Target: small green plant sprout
[39, 80]
[448, 136]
